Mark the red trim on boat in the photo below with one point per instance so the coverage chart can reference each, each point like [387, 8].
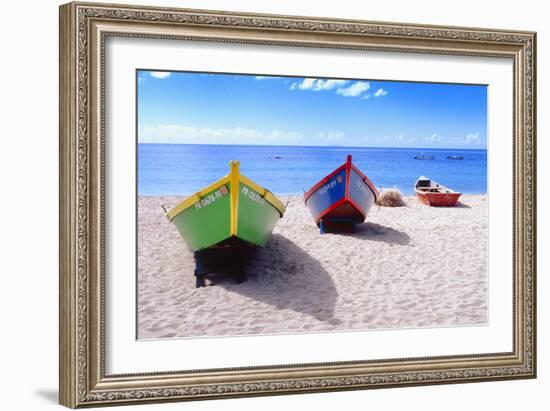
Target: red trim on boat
[339, 203]
[367, 180]
[348, 167]
[308, 193]
[357, 208]
[329, 209]
[438, 199]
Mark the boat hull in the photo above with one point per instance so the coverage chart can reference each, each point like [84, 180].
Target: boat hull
[256, 217]
[343, 197]
[361, 195]
[207, 222]
[439, 199]
[232, 210]
[434, 194]
[329, 197]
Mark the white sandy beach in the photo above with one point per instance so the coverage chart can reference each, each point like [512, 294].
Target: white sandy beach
[413, 266]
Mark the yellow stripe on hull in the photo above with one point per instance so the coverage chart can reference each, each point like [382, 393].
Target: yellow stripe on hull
[190, 201]
[234, 178]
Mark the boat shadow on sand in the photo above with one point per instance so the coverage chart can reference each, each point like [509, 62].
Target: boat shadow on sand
[283, 275]
[375, 232]
[459, 204]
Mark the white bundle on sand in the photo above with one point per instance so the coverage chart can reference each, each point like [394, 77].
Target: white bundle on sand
[390, 197]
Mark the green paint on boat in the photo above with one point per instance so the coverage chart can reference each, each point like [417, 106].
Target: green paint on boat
[207, 222]
[217, 214]
[256, 217]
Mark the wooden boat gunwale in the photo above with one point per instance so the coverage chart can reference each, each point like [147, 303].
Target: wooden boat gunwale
[194, 198]
[244, 210]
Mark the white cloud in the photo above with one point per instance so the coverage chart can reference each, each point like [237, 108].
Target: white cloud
[188, 134]
[473, 138]
[434, 138]
[328, 84]
[395, 140]
[160, 74]
[331, 137]
[380, 93]
[306, 84]
[352, 89]
[390, 141]
[317, 84]
[355, 89]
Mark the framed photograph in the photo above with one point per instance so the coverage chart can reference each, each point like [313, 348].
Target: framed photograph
[259, 204]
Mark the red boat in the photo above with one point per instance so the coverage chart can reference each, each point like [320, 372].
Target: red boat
[434, 194]
[344, 197]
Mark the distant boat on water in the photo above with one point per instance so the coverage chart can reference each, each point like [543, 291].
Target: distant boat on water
[455, 157]
[386, 167]
[434, 194]
[344, 197]
[423, 157]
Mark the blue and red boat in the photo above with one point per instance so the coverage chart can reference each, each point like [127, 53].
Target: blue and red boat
[342, 198]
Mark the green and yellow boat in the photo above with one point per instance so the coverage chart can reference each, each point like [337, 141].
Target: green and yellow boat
[232, 210]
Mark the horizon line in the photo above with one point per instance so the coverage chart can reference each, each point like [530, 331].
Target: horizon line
[317, 146]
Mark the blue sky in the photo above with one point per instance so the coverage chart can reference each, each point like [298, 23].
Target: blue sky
[198, 108]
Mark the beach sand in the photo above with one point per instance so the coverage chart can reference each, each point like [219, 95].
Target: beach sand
[406, 267]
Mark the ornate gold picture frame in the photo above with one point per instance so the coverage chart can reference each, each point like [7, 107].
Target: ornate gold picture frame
[84, 30]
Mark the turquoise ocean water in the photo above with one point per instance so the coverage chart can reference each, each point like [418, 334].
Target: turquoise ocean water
[182, 169]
